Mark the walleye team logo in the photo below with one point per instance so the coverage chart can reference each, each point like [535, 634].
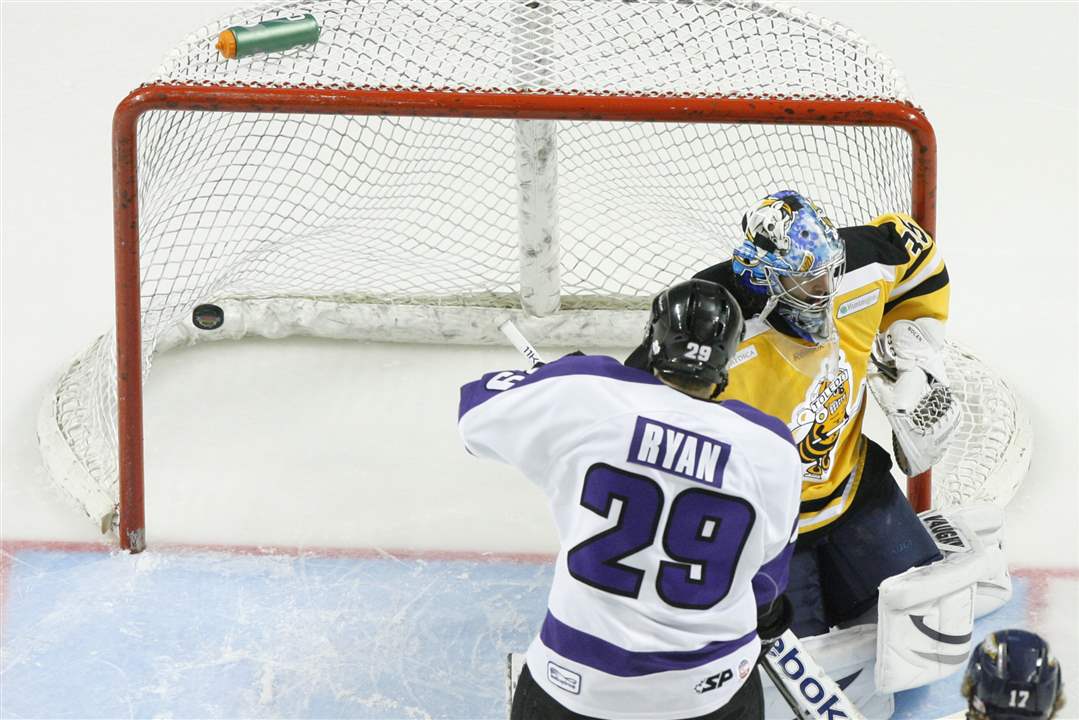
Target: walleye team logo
[820, 419]
[767, 226]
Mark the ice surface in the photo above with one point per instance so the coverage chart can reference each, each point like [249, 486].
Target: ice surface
[172, 634]
[191, 632]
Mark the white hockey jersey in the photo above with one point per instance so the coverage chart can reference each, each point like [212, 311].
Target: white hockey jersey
[676, 520]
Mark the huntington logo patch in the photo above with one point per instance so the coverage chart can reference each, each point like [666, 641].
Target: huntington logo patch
[856, 304]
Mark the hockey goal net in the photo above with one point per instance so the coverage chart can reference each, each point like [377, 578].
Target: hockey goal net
[429, 166]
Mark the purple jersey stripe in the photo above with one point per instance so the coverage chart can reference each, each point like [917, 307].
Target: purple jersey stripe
[478, 392]
[756, 417]
[590, 650]
[771, 580]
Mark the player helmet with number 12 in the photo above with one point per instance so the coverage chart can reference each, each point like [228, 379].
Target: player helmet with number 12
[1012, 676]
[693, 333]
[792, 253]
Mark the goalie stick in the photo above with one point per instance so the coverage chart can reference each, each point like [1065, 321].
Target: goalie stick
[803, 683]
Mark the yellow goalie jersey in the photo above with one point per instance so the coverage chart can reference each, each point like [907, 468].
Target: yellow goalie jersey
[893, 273]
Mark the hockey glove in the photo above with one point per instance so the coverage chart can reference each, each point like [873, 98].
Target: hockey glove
[773, 620]
[908, 379]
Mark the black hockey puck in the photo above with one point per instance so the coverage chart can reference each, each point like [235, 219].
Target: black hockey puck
[208, 317]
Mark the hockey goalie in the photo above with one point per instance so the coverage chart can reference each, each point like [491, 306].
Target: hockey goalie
[884, 599]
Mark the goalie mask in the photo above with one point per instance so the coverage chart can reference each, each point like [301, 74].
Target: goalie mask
[1012, 676]
[793, 254]
[693, 332]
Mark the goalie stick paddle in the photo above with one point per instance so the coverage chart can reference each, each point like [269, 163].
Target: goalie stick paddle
[803, 684]
[520, 342]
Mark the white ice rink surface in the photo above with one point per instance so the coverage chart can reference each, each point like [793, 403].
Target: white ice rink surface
[315, 444]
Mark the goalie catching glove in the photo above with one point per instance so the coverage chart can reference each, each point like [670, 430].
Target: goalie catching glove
[909, 381]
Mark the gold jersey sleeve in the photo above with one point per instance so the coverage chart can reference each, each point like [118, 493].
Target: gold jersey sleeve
[893, 272]
[920, 288]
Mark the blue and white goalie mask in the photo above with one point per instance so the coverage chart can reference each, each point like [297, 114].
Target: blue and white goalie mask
[793, 254]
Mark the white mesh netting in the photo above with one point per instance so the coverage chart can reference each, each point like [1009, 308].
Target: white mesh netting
[616, 47]
[408, 228]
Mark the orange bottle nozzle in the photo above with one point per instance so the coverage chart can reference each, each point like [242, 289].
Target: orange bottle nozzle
[226, 43]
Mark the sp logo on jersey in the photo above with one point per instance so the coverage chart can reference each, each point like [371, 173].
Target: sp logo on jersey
[713, 682]
[820, 419]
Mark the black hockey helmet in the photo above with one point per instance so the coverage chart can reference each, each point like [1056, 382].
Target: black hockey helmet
[1012, 675]
[694, 332]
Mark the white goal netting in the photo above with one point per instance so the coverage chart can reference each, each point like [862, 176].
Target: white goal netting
[425, 228]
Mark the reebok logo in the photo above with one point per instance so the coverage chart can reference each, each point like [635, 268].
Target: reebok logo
[811, 689]
[713, 682]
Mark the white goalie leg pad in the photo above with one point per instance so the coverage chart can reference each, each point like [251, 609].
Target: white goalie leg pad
[848, 657]
[986, 521]
[926, 615]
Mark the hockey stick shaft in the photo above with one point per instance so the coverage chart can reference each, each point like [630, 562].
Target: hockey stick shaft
[776, 677]
[804, 684]
[520, 342]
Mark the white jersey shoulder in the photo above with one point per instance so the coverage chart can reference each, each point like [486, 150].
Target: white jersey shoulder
[558, 399]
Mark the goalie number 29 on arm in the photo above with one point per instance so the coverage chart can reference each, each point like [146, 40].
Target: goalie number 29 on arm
[704, 536]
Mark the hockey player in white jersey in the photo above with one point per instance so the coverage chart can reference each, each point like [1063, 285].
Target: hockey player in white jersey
[675, 516]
